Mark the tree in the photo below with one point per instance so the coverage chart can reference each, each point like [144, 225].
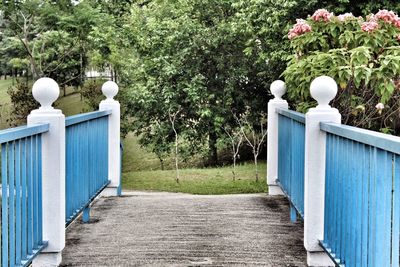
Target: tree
[235, 137]
[191, 54]
[362, 55]
[253, 133]
[22, 103]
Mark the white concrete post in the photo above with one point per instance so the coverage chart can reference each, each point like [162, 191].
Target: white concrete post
[278, 89]
[110, 89]
[323, 89]
[46, 91]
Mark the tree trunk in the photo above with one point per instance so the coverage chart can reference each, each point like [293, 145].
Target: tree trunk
[27, 76]
[212, 149]
[161, 162]
[234, 168]
[176, 157]
[256, 165]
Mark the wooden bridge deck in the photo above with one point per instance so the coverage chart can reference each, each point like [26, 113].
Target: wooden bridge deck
[166, 229]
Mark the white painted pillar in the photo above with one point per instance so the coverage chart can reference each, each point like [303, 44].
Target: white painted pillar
[110, 89]
[323, 89]
[278, 89]
[46, 91]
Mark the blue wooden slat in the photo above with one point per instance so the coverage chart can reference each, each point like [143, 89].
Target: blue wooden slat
[357, 222]
[35, 182]
[11, 198]
[76, 119]
[342, 195]
[29, 174]
[40, 191]
[21, 132]
[396, 213]
[18, 205]
[4, 206]
[24, 212]
[296, 116]
[383, 206]
[372, 208]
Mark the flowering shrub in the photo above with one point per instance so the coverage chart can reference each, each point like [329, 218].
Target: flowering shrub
[361, 54]
[299, 28]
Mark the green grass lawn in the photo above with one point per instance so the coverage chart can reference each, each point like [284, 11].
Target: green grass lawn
[71, 104]
[142, 171]
[4, 85]
[207, 181]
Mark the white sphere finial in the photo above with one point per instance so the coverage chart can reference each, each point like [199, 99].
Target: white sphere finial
[278, 89]
[110, 89]
[45, 91]
[323, 89]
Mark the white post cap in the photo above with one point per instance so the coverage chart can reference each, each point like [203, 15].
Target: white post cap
[278, 89]
[45, 91]
[109, 89]
[323, 89]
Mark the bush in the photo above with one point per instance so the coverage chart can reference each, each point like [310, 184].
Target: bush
[91, 92]
[361, 54]
[22, 103]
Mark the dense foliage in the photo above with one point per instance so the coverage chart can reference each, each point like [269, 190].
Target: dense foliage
[361, 54]
[206, 62]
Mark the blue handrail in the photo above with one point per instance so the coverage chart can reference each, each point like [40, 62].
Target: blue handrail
[86, 161]
[21, 194]
[291, 131]
[294, 115]
[362, 197]
[86, 117]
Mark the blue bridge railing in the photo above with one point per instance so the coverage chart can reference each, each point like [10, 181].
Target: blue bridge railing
[86, 161]
[362, 197]
[291, 128]
[21, 194]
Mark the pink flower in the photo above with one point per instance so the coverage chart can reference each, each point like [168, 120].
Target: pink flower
[345, 17]
[299, 28]
[396, 23]
[387, 16]
[380, 106]
[369, 26]
[398, 37]
[322, 15]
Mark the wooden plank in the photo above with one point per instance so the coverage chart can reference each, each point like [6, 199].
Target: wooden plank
[383, 141]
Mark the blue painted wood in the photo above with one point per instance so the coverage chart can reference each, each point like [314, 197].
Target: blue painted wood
[296, 116]
[76, 119]
[86, 161]
[86, 214]
[21, 132]
[11, 207]
[362, 211]
[396, 212]
[293, 214]
[21, 222]
[4, 206]
[291, 144]
[386, 142]
[18, 205]
[30, 195]
[24, 212]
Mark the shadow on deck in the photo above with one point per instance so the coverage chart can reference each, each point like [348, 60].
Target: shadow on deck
[167, 229]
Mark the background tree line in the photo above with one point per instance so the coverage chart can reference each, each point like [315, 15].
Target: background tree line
[191, 72]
